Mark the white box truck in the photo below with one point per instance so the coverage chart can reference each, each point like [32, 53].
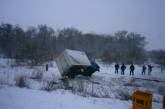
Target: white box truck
[72, 62]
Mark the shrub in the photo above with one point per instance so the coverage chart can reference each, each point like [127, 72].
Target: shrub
[124, 95]
[47, 85]
[21, 81]
[161, 90]
[37, 75]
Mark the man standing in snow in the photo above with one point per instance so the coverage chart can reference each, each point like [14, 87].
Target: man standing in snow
[149, 69]
[116, 68]
[143, 69]
[132, 68]
[123, 67]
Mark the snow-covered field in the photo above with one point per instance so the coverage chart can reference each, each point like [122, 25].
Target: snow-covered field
[104, 90]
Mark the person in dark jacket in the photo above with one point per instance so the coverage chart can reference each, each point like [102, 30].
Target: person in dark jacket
[149, 69]
[143, 70]
[123, 67]
[132, 68]
[116, 68]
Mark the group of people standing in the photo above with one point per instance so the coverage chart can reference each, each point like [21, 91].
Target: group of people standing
[132, 68]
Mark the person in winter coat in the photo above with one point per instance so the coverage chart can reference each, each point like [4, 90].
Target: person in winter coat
[116, 68]
[132, 68]
[149, 69]
[143, 70]
[123, 67]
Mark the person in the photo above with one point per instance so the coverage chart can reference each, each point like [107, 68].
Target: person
[132, 68]
[149, 69]
[143, 69]
[116, 68]
[123, 67]
[95, 66]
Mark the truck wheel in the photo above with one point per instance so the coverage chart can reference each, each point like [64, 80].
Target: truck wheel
[71, 76]
[89, 75]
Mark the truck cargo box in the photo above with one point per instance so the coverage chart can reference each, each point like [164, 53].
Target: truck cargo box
[69, 58]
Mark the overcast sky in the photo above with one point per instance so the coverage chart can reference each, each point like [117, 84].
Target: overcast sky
[146, 17]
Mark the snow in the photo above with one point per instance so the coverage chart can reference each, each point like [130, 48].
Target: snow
[77, 57]
[22, 98]
[104, 89]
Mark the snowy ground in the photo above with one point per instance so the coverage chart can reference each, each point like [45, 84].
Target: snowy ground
[16, 98]
[103, 90]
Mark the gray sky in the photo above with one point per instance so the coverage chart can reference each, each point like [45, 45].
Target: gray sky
[146, 17]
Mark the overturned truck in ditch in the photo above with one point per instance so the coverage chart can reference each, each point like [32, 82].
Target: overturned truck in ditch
[71, 63]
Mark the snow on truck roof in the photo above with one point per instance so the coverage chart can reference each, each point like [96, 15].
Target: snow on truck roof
[77, 57]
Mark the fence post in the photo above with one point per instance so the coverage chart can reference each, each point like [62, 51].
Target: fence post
[46, 67]
[163, 102]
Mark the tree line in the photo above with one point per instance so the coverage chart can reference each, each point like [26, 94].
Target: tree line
[158, 57]
[42, 43]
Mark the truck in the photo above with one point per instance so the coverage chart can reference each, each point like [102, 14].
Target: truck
[72, 62]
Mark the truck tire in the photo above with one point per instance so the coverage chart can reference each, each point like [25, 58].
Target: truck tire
[71, 75]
